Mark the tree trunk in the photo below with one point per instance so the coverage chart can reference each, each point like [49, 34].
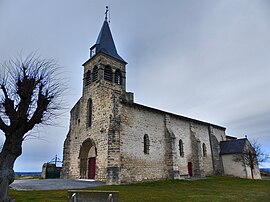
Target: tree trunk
[252, 175]
[6, 178]
[10, 152]
[251, 163]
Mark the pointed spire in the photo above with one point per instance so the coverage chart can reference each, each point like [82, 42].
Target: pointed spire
[105, 43]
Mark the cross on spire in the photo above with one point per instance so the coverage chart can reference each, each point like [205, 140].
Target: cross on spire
[106, 13]
[105, 43]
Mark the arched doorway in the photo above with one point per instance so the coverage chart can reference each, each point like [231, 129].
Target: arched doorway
[87, 158]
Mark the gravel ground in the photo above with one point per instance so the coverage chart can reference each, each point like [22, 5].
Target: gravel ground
[53, 184]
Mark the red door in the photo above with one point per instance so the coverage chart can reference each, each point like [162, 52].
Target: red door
[91, 167]
[190, 169]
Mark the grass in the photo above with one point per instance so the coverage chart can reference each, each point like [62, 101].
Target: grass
[211, 189]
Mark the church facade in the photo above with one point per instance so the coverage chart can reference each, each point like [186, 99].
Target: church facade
[113, 139]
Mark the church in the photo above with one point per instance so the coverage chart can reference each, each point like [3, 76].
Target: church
[113, 139]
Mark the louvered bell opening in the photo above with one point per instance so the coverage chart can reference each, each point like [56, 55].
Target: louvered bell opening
[108, 73]
[95, 74]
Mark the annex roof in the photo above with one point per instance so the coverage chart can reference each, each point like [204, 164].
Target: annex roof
[233, 146]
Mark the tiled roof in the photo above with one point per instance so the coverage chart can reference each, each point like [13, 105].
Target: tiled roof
[233, 146]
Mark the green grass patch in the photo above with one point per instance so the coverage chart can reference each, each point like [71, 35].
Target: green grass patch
[210, 189]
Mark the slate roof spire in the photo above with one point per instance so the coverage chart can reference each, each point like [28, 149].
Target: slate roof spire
[105, 43]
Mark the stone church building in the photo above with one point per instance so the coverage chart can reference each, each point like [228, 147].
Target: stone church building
[113, 139]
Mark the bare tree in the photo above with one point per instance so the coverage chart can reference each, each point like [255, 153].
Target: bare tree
[30, 94]
[252, 155]
[261, 156]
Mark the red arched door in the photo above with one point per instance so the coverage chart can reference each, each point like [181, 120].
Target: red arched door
[190, 169]
[91, 167]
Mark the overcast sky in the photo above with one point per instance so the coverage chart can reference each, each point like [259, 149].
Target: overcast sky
[205, 59]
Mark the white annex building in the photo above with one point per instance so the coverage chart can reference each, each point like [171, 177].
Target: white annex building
[113, 139]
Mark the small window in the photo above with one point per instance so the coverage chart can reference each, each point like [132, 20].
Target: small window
[108, 73]
[88, 77]
[95, 73]
[118, 77]
[90, 113]
[204, 150]
[146, 144]
[181, 148]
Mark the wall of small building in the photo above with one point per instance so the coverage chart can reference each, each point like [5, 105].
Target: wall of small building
[238, 169]
[233, 168]
[256, 172]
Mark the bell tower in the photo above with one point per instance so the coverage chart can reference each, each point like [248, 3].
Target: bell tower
[105, 65]
[104, 90]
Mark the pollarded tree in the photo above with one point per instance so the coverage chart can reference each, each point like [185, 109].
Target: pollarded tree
[30, 94]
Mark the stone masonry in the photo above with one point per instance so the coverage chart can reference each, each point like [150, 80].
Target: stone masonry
[113, 139]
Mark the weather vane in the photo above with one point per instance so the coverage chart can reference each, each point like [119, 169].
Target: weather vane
[106, 13]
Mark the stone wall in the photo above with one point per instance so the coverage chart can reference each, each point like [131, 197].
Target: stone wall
[117, 133]
[97, 133]
[181, 130]
[216, 135]
[135, 164]
[104, 130]
[165, 131]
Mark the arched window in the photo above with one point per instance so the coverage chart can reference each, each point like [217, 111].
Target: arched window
[95, 73]
[146, 144]
[181, 148]
[204, 150]
[118, 77]
[90, 113]
[88, 77]
[108, 73]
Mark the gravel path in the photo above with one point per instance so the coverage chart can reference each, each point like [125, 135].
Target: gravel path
[53, 184]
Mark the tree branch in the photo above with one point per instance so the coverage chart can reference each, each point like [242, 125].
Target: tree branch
[42, 104]
[9, 105]
[25, 91]
[3, 126]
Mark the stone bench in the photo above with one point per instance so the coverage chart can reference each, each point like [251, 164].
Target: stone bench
[93, 196]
